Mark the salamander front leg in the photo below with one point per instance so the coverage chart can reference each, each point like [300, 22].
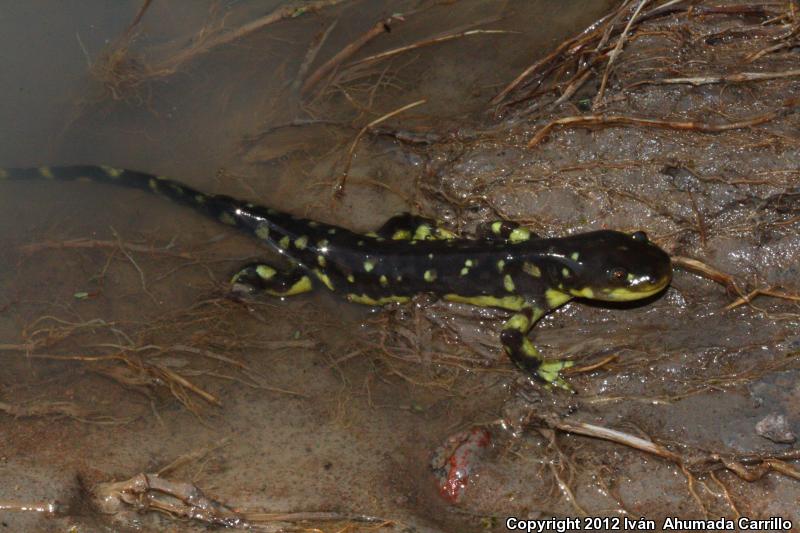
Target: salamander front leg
[525, 355]
[407, 227]
[259, 277]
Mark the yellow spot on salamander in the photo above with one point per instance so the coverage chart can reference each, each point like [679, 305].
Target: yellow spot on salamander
[556, 298]
[469, 263]
[227, 218]
[518, 322]
[501, 265]
[519, 235]
[371, 234]
[111, 171]
[512, 303]
[302, 285]
[508, 283]
[565, 272]
[367, 300]
[322, 244]
[331, 231]
[575, 256]
[368, 266]
[429, 276]
[323, 277]
[442, 233]
[177, 188]
[153, 184]
[430, 256]
[200, 199]
[351, 278]
[586, 292]
[533, 270]
[262, 231]
[265, 272]
[464, 271]
[301, 242]
[321, 260]
[46, 172]
[312, 224]
[497, 227]
[401, 235]
[284, 242]
[383, 281]
[423, 232]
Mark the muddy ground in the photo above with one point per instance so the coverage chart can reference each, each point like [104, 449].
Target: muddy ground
[122, 354]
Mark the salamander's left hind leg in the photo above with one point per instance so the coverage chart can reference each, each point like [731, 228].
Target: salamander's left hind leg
[406, 227]
[259, 277]
[525, 355]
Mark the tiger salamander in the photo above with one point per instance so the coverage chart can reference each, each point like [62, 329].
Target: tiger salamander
[506, 266]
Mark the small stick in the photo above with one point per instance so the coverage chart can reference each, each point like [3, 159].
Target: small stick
[613, 120]
[339, 187]
[382, 26]
[707, 271]
[747, 298]
[726, 78]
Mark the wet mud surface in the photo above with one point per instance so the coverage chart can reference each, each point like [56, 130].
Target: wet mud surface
[122, 353]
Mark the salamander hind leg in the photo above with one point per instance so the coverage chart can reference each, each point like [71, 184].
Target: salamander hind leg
[407, 227]
[258, 278]
[525, 355]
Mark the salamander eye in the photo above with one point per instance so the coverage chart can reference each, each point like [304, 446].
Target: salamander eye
[639, 236]
[618, 274]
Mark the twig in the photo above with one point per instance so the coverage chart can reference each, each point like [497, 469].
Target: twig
[348, 51]
[705, 270]
[747, 298]
[615, 120]
[339, 187]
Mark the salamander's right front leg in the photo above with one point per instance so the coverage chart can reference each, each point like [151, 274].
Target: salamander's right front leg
[259, 277]
[525, 355]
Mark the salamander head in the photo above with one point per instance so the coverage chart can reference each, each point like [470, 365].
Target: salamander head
[614, 266]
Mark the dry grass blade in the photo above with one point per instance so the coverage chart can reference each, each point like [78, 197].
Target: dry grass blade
[739, 77]
[340, 183]
[615, 53]
[211, 41]
[426, 42]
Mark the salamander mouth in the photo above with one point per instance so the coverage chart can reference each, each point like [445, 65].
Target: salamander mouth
[625, 294]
